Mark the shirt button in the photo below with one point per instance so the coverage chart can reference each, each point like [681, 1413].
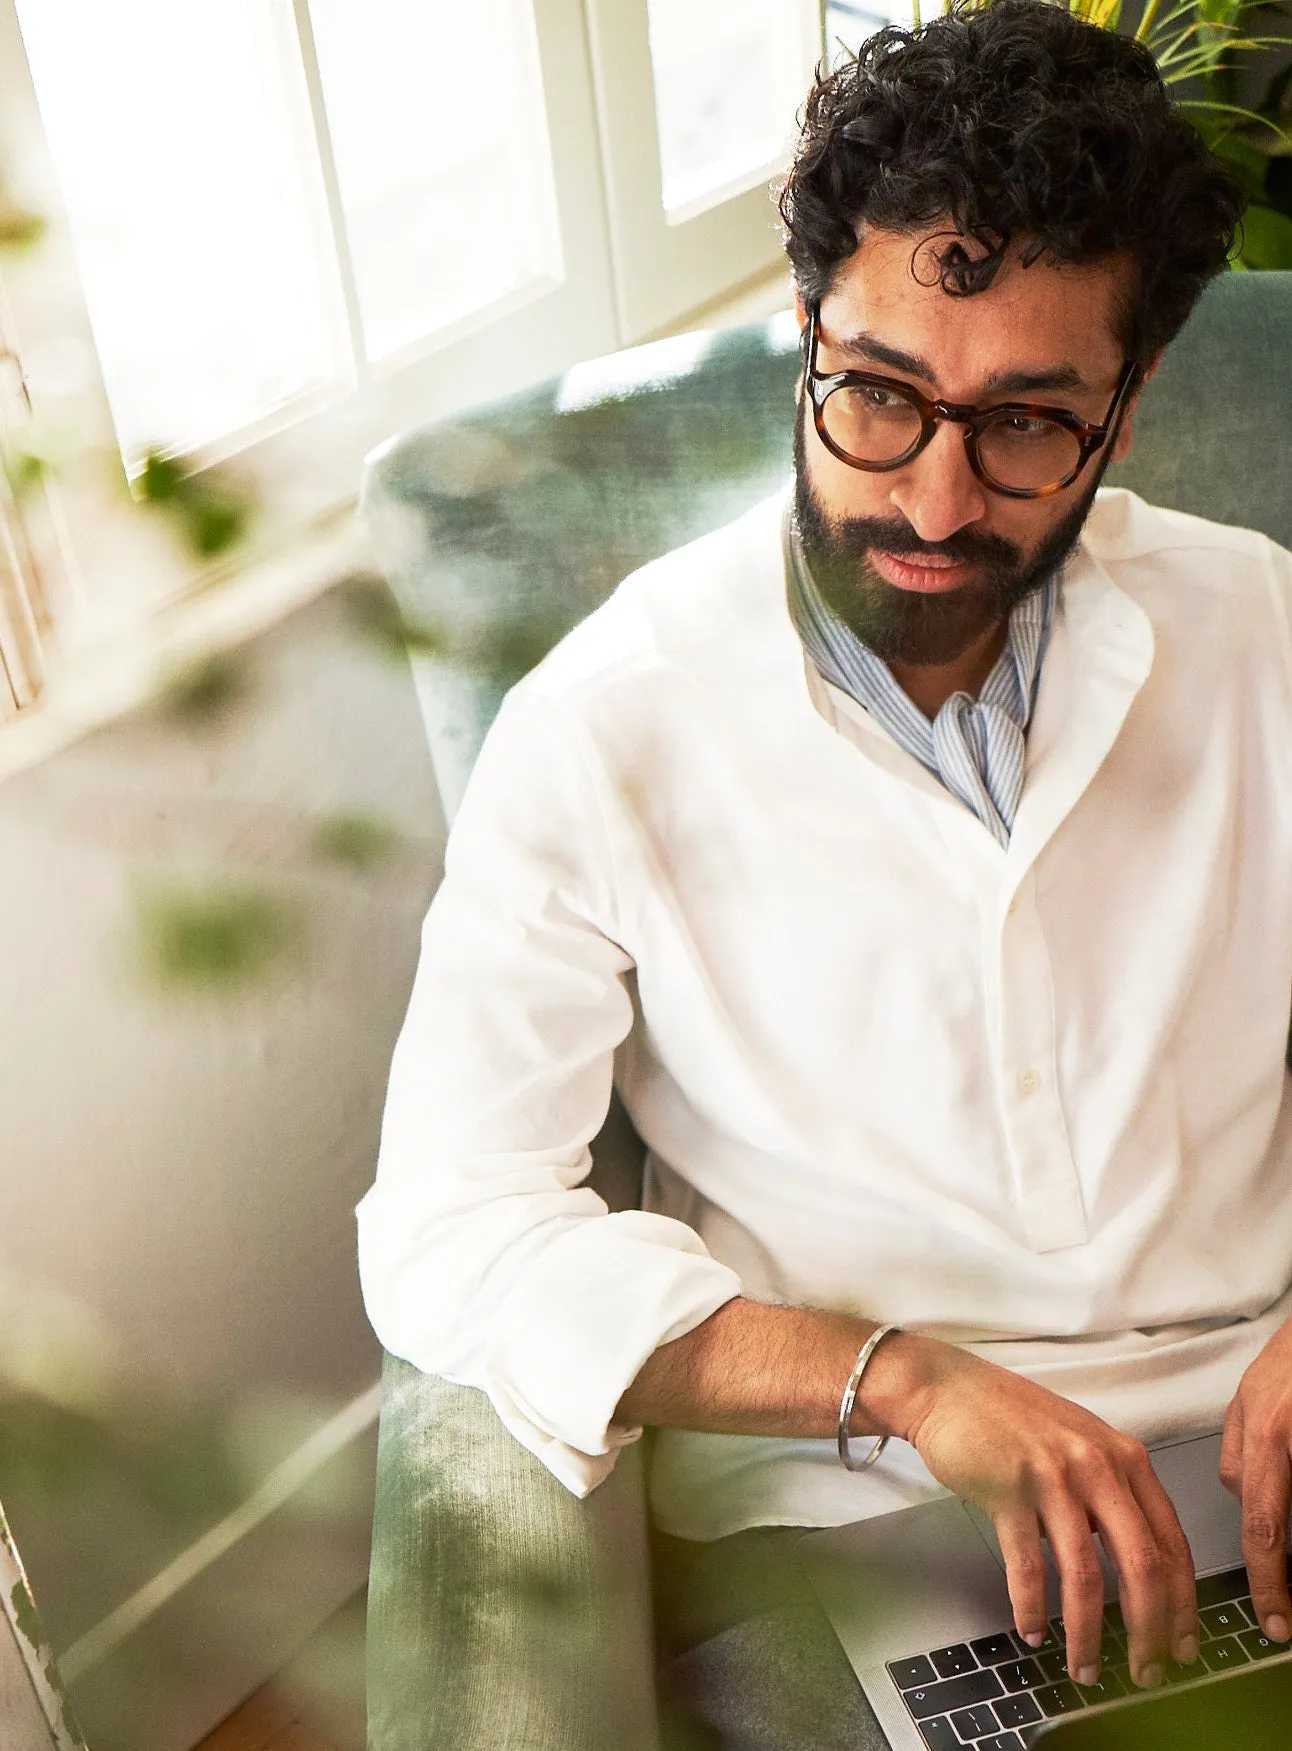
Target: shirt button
[1028, 1082]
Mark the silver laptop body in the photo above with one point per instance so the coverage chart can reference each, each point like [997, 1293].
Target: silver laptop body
[929, 1577]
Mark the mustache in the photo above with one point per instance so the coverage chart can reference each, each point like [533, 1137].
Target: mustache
[854, 537]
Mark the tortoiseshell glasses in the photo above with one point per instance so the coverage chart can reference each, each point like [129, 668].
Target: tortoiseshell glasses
[1017, 448]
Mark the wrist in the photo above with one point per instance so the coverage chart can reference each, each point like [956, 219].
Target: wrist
[899, 1384]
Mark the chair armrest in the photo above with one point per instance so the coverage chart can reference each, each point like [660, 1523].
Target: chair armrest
[503, 1613]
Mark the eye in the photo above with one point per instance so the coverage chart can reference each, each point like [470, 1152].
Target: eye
[1021, 429]
[881, 399]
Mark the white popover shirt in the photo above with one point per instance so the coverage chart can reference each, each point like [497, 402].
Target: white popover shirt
[1030, 1099]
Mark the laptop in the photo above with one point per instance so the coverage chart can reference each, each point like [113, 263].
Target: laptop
[919, 1601]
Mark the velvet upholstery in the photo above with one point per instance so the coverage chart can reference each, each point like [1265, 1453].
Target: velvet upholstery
[498, 531]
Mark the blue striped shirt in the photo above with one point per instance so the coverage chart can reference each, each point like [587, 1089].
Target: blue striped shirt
[975, 747]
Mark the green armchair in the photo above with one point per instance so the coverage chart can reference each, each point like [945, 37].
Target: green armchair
[503, 1613]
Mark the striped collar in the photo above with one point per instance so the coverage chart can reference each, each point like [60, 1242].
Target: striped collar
[975, 747]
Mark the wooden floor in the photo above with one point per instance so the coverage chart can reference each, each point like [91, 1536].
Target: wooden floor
[315, 1705]
[270, 1721]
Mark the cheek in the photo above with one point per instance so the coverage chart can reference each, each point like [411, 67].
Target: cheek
[844, 492]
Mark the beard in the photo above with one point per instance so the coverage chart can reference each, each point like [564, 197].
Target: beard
[912, 626]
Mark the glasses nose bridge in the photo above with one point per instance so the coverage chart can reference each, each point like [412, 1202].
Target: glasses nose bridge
[953, 413]
[958, 413]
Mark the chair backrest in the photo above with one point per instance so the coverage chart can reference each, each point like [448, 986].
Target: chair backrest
[502, 528]
[1213, 431]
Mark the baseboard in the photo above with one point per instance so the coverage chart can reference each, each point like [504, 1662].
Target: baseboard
[230, 1611]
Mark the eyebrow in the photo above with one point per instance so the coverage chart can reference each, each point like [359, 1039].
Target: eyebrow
[877, 352]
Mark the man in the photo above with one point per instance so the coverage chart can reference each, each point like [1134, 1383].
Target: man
[916, 853]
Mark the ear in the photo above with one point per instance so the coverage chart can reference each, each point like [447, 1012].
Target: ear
[800, 309]
[1126, 425]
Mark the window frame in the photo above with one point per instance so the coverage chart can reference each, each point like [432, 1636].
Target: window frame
[666, 269]
[627, 274]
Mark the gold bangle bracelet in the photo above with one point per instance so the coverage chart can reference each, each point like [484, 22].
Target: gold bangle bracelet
[867, 1350]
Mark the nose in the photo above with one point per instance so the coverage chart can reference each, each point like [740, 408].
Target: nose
[938, 492]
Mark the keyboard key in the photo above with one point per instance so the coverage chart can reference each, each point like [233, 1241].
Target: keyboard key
[1113, 1644]
[940, 1699]
[990, 1650]
[906, 1674]
[1001, 1742]
[1258, 1645]
[1220, 1620]
[975, 1723]
[1020, 1675]
[1016, 1711]
[1174, 1673]
[1220, 1589]
[940, 1735]
[1054, 1665]
[1220, 1656]
[1058, 1699]
[1051, 1641]
[951, 1662]
[1108, 1688]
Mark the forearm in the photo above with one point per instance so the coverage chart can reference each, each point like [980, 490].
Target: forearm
[750, 1369]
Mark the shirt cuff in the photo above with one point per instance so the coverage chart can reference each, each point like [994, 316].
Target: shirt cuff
[573, 1333]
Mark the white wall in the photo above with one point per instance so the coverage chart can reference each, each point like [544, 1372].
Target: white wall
[189, 1482]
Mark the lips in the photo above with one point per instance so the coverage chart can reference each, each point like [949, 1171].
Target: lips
[928, 575]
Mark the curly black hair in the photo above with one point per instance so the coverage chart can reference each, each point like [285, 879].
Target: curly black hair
[1015, 122]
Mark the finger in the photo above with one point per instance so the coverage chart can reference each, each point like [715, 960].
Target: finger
[1267, 1486]
[1178, 1576]
[1231, 1450]
[1020, 1545]
[1081, 1579]
[1131, 1543]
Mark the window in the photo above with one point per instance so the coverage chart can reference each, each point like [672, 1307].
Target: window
[697, 107]
[849, 22]
[281, 229]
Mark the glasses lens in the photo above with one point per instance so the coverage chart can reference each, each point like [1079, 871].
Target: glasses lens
[1027, 454]
[871, 424]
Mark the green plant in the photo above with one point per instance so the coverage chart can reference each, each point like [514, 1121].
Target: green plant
[1202, 45]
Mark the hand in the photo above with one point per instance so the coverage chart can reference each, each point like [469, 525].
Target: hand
[1042, 1466]
[1256, 1465]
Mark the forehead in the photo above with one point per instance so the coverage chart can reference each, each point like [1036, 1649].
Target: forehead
[1029, 318]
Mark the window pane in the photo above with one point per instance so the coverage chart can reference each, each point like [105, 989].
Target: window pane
[440, 139]
[849, 22]
[181, 133]
[729, 77]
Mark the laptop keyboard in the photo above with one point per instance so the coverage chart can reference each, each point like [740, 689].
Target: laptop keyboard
[993, 1693]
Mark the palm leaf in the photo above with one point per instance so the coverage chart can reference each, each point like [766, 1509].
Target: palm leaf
[1233, 109]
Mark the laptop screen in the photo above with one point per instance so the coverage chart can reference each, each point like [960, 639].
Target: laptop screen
[1247, 1710]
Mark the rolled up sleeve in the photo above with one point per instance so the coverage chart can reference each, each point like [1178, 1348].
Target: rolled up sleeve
[483, 1255]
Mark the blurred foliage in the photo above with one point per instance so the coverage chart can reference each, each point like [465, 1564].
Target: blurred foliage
[31, 454]
[207, 692]
[375, 618]
[133, 1472]
[210, 507]
[1200, 46]
[19, 230]
[357, 839]
[214, 940]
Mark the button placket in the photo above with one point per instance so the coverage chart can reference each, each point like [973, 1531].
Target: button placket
[1036, 1132]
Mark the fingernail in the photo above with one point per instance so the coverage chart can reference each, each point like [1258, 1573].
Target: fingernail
[1276, 1628]
[1149, 1677]
[1186, 1650]
[1088, 1675]
[1034, 1638]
